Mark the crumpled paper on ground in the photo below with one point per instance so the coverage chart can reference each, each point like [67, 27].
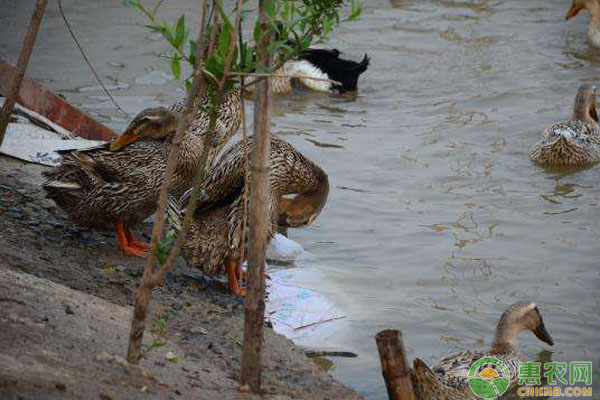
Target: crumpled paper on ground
[32, 143]
[299, 314]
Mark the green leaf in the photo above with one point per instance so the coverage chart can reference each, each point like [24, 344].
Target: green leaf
[224, 40]
[130, 3]
[257, 30]
[176, 67]
[180, 32]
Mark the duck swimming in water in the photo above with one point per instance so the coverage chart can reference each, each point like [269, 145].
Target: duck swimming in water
[573, 143]
[593, 7]
[214, 240]
[448, 380]
[321, 64]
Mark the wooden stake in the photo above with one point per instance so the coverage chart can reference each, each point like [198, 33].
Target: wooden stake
[258, 221]
[26, 50]
[394, 365]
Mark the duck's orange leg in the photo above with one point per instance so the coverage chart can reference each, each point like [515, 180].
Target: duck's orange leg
[240, 274]
[232, 279]
[124, 243]
[133, 242]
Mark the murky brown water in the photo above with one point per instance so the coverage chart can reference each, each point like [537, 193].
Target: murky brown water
[436, 219]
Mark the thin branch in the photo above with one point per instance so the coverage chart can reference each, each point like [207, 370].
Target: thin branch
[147, 283]
[152, 18]
[189, 214]
[26, 50]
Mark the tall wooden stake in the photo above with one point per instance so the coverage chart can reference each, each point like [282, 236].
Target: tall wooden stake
[258, 220]
[394, 366]
[28, 42]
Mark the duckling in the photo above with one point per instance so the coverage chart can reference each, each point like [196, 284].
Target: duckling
[321, 64]
[593, 30]
[573, 143]
[215, 237]
[448, 380]
[117, 184]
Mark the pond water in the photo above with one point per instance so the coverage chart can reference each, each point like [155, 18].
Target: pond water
[436, 219]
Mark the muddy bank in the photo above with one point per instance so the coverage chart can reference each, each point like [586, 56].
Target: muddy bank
[66, 296]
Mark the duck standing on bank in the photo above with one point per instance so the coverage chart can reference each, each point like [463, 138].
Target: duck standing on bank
[448, 380]
[573, 143]
[214, 240]
[117, 185]
[593, 7]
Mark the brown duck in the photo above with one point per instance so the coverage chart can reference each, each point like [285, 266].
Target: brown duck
[117, 185]
[573, 143]
[215, 236]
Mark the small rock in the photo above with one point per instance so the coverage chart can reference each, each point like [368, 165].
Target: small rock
[122, 361]
[144, 389]
[104, 356]
[68, 310]
[116, 64]
[244, 389]
[198, 330]
[170, 356]
[61, 386]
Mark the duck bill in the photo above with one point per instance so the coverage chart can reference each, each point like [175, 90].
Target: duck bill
[541, 333]
[123, 141]
[573, 11]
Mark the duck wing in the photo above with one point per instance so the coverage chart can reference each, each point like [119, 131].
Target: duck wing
[430, 384]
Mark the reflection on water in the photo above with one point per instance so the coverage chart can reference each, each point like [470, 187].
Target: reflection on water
[436, 219]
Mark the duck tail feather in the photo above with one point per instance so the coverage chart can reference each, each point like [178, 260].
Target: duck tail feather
[58, 185]
[67, 195]
[175, 213]
[364, 64]
[424, 379]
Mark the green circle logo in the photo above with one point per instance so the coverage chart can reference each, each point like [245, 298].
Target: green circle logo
[489, 382]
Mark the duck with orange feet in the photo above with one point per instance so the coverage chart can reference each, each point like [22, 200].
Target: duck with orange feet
[217, 236]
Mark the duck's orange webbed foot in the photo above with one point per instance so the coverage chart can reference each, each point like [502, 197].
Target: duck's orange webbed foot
[127, 243]
[133, 242]
[233, 269]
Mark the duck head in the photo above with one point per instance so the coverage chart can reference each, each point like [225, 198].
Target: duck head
[296, 212]
[578, 5]
[152, 123]
[521, 316]
[304, 208]
[584, 109]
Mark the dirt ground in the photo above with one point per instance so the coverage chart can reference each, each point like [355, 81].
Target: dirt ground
[65, 307]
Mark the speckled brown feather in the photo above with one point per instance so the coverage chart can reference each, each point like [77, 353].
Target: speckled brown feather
[215, 234]
[97, 187]
[573, 143]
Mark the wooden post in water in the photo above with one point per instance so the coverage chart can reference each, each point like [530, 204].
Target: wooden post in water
[26, 50]
[258, 220]
[394, 365]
